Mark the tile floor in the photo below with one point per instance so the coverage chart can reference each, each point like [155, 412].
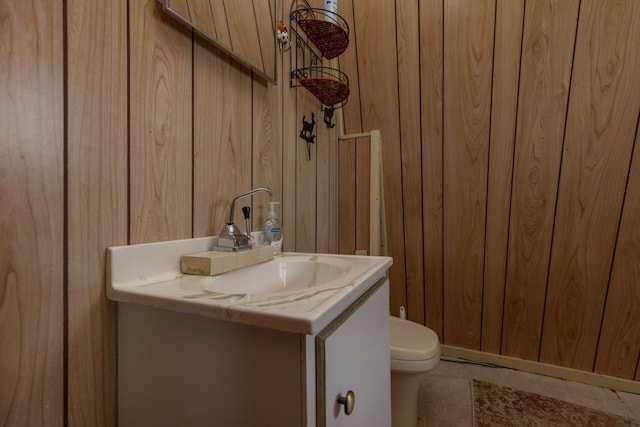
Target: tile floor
[445, 392]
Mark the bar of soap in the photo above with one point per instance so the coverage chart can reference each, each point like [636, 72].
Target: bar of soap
[211, 263]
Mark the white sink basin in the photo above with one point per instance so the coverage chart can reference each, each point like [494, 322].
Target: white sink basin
[282, 274]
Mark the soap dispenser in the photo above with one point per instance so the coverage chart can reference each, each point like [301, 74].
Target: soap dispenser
[272, 231]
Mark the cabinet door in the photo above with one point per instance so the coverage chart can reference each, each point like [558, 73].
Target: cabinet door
[353, 357]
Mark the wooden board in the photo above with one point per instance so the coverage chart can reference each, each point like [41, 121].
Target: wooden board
[160, 130]
[222, 142]
[506, 71]
[431, 119]
[290, 144]
[212, 263]
[408, 38]
[97, 194]
[600, 134]
[377, 63]
[619, 343]
[548, 32]
[32, 247]
[468, 33]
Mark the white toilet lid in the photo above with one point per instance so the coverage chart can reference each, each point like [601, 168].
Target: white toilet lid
[412, 341]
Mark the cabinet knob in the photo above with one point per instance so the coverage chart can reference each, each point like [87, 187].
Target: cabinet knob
[348, 401]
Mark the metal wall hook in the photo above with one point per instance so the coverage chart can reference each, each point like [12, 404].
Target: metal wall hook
[328, 117]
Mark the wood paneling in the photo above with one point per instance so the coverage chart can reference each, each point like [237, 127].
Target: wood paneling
[547, 46]
[326, 138]
[135, 120]
[377, 63]
[517, 174]
[264, 12]
[307, 110]
[432, 104]
[290, 145]
[32, 251]
[243, 31]
[266, 148]
[97, 194]
[468, 55]
[222, 33]
[362, 186]
[346, 197]
[222, 163]
[160, 161]
[306, 161]
[619, 344]
[593, 179]
[348, 148]
[348, 62]
[354, 154]
[408, 40]
[504, 101]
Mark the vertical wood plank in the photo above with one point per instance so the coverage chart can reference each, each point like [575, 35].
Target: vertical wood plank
[378, 79]
[362, 148]
[32, 213]
[351, 123]
[358, 150]
[348, 62]
[266, 149]
[160, 125]
[199, 13]
[548, 37]
[290, 144]
[347, 197]
[431, 119]
[506, 72]
[468, 56]
[363, 179]
[619, 343]
[222, 32]
[243, 37]
[97, 194]
[264, 12]
[601, 126]
[333, 206]
[408, 38]
[323, 170]
[184, 7]
[308, 108]
[222, 139]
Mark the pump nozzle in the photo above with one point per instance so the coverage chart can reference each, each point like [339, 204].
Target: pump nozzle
[272, 210]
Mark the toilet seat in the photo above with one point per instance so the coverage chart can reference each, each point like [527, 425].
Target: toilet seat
[414, 347]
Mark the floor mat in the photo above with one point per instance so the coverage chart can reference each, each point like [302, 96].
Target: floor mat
[495, 405]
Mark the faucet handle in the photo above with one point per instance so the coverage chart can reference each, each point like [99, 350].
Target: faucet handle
[246, 211]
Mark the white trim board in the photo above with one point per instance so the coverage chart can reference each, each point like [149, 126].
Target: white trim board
[571, 374]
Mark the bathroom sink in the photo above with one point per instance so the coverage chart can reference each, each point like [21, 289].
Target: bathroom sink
[282, 274]
[294, 292]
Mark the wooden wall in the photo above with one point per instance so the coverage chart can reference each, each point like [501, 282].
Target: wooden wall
[120, 126]
[510, 130]
[511, 174]
[32, 222]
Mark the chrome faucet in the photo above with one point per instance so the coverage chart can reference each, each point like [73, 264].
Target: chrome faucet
[230, 237]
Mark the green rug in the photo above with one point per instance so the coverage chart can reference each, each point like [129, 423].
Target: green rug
[495, 405]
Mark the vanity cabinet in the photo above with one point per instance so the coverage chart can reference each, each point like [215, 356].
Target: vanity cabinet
[184, 369]
[352, 363]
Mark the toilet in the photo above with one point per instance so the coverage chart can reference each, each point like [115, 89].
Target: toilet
[415, 349]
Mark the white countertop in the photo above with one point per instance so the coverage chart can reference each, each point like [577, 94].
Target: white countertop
[149, 274]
